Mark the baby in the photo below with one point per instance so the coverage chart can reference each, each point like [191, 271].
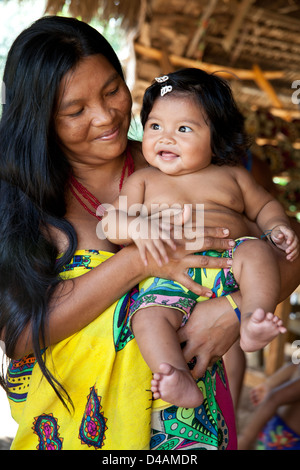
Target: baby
[194, 143]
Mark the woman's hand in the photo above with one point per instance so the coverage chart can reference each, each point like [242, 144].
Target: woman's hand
[210, 331]
[186, 227]
[179, 262]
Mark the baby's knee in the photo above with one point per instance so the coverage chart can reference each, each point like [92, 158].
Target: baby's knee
[145, 317]
[253, 248]
[252, 253]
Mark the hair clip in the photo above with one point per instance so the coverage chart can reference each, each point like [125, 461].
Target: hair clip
[165, 89]
[162, 79]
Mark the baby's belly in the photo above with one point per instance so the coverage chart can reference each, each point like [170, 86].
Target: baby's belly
[236, 223]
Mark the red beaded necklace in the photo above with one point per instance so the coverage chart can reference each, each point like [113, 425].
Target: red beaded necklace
[79, 191]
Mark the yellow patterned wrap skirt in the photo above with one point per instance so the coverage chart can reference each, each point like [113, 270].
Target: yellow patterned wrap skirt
[108, 382]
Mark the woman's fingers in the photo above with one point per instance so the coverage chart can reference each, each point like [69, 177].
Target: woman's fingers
[217, 244]
[201, 261]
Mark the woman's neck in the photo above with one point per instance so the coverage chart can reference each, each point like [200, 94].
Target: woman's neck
[102, 180]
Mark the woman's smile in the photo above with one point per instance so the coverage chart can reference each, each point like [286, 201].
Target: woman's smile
[111, 134]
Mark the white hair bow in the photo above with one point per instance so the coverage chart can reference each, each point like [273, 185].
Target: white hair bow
[165, 89]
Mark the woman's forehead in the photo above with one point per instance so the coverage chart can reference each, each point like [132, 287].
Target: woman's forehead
[92, 72]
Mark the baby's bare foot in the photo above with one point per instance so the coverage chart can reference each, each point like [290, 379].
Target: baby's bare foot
[176, 386]
[259, 329]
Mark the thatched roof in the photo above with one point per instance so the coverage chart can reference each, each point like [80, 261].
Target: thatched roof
[251, 37]
[104, 9]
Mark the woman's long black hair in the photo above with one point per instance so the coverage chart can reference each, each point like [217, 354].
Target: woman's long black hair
[229, 141]
[34, 173]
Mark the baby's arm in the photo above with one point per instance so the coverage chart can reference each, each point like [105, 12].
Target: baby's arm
[268, 214]
[127, 220]
[275, 224]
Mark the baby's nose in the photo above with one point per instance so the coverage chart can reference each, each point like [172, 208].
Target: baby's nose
[167, 139]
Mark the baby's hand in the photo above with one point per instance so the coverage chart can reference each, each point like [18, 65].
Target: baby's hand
[286, 239]
[151, 238]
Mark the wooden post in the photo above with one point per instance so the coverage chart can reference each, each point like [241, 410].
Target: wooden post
[236, 24]
[201, 28]
[227, 72]
[274, 353]
[266, 86]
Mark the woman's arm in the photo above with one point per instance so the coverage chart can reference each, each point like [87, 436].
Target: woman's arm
[79, 301]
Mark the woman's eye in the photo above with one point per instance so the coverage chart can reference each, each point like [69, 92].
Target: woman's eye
[185, 129]
[155, 126]
[113, 92]
[77, 113]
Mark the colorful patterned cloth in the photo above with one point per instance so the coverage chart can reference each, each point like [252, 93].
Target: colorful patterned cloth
[109, 384]
[276, 435]
[157, 291]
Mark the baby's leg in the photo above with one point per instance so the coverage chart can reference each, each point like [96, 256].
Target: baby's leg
[257, 274]
[155, 329]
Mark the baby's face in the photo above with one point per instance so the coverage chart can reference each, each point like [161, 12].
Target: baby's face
[176, 137]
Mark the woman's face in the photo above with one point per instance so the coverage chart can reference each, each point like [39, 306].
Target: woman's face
[94, 110]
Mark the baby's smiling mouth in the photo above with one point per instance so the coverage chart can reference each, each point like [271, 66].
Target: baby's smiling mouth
[167, 156]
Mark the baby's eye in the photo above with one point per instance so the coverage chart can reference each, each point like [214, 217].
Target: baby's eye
[155, 126]
[185, 129]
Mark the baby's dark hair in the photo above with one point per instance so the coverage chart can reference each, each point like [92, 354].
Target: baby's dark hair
[229, 141]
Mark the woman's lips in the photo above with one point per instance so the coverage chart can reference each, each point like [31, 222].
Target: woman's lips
[109, 135]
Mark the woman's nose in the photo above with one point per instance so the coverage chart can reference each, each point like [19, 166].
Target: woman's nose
[102, 116]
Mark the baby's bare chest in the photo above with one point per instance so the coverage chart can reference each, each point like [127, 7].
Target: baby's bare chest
[198, 189]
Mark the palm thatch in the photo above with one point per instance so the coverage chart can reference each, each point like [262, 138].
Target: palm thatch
[246, 35]
[127, 11]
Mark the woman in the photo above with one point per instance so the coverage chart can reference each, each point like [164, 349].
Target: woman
[63, 149]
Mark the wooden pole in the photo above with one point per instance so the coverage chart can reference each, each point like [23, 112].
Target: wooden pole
[227, 72]
[264, 85]
[236, 24]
